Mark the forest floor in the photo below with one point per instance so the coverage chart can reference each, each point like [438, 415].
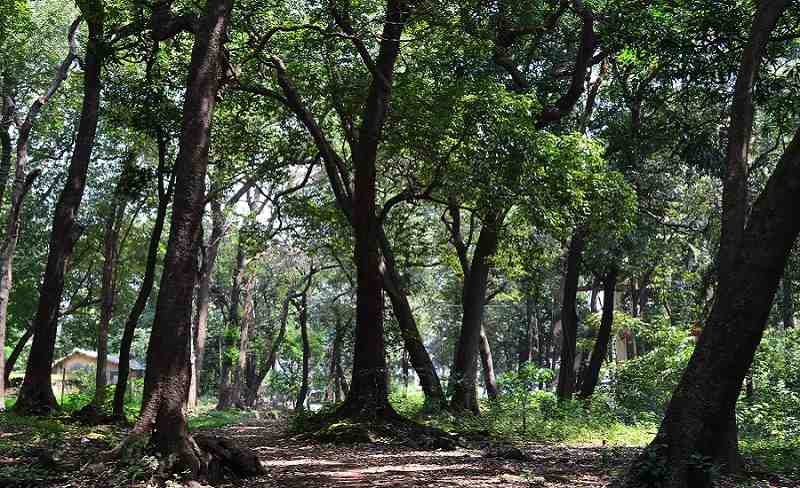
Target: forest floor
[36, 460]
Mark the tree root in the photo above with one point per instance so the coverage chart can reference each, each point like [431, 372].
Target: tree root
[218, 458]
[355, 426]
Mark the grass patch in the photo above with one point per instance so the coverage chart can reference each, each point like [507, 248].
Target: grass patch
[213, 419]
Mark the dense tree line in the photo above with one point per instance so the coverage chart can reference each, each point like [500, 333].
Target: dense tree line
[358, 190]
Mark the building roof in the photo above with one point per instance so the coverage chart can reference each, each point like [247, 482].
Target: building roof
[112, 358]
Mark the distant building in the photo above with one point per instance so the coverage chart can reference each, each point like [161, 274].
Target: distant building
[83, 360]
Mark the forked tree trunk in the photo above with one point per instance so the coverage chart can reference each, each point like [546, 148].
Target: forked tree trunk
[369, 388]
[699, 423]
[164, 195]
[600, 349]
[699, 419]
[487, 363]
[36, 394]
[473, 302]
[167, 377]
[22, 184]
[569, 319]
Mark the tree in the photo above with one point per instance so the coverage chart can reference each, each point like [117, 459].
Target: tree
[168, 373]
[23, 180]
[700, 419]
[36, 394]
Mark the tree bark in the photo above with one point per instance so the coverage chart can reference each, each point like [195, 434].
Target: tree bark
[164, 196]
[487, 363]
[36, 394]
[6, 118]
[600, 349]
[699, 421]
[369, 388]
[569, 319]
[168, 376]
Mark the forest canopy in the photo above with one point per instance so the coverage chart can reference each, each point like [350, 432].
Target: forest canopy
[506, 229]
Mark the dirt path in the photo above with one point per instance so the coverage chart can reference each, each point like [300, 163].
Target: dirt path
[295, 463]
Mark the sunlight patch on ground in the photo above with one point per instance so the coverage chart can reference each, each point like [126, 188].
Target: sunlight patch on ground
[413, 467]
[443, 454]
[300, 462]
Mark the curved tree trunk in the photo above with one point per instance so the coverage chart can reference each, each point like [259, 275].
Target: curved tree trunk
[569, 319]
[591, 374]
[412, 339]
[269, 362]
[473, 301]
[36, 394]
[489, 380]
[22, 184]
[725, 349]
[146, 289]
[167, 376]
[15, 353]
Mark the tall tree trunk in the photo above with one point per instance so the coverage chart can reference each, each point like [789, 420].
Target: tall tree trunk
[36, 394]
[600, 350]
[473, 302]
[302, 310]
[700, 421]
[412, 339]
[209, 261]
[164, 196]
[487, 363]
[569, 319]
[6, 119]
[167, 377]
[22, 184]
[108, 291]
[787, 302]
[369, 388]
[530, 340]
